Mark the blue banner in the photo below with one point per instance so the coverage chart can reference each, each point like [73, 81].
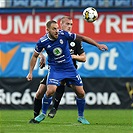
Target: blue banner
[116, 62]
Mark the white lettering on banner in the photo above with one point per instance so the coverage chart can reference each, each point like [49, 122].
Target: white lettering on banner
[8, 95]
[105, 99]
[95, 63]
[27, 55]
[16, 98]
[114, 24]
[99, 62]
[39, 24]
[106, 60]
[81, 23]
[126, 26]
[26, 97]
[92, 98]
[9, 26]
[127, 23]
[33, 24]
[26, 60]
[112, 56]
[68, 98]
[98, 23]
[23, 28]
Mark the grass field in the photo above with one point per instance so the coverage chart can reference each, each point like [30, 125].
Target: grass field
[65, 121]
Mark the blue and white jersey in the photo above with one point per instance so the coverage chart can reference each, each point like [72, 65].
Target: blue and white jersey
[59, 58]
[58, 50]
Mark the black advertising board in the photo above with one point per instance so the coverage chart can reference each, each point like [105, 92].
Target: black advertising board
[101, 93]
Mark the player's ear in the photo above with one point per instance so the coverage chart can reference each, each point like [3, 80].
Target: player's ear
[47, 30]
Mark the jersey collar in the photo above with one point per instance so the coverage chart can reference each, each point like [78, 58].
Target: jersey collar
[49, 37]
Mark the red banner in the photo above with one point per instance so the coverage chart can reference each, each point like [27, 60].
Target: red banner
[27, 27]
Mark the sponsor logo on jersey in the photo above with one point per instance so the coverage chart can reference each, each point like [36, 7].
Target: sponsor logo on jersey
[57, 51]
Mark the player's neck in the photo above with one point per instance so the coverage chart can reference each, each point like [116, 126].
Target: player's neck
[50, 37]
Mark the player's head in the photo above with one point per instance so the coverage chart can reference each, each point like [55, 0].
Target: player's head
[66, 23]
[52, 29]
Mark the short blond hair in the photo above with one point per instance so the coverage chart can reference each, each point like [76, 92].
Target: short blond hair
[63, 19]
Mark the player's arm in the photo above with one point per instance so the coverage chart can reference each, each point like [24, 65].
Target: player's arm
[79, 52]
[32, 65]
[91, 41]
[80, 58]
[42, 60]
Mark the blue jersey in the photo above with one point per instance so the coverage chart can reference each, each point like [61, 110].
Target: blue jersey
[58, 50]
[59, 58]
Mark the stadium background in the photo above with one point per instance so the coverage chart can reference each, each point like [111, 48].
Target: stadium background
[107, 76]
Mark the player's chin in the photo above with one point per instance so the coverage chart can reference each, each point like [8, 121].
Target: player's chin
[56, 36]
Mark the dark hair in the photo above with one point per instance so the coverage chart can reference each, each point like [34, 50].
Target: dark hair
[48, 24]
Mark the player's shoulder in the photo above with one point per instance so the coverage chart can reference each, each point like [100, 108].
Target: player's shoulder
[62, 32]
[76, 42]
[44, 38]
[65, 33]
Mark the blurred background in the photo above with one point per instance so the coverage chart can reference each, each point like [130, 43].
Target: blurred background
[107, 76]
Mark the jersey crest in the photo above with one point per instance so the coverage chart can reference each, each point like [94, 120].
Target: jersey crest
[72, 44]
[61, 41]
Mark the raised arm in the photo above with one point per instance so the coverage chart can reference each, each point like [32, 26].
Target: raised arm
[92, 42]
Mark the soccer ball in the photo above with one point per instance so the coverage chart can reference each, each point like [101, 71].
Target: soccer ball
[90, 14]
